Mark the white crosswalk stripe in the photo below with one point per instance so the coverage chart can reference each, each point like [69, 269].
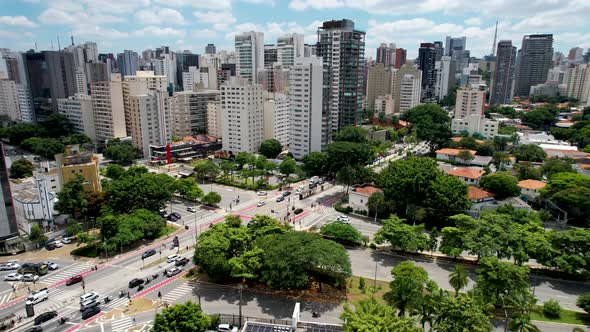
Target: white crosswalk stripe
[122, 324]
[117, 302]
[66, 272]
[5, 297]
[62, 295]
[177, 293]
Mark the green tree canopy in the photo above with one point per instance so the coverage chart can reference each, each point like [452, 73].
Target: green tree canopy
[37, 235]
[529, 152]
[188, 188]
[211, 198]
[401, 235]
[316, 164]
[583, 302]
[496, 280]
[431, 124]
[370, 315]
[571, 192]
[115, 171]
[406, 289]
[187, 317]
[461, 313]
[121, 152]
[525, 170]
[341, 232]
[556, 165]
[459, 278]
[342, 153]
[21, 168]
[503, 185]
[206, 169]
[540, 118]
[352, 134]
[270, 148]
[71, 199]
[287, 166]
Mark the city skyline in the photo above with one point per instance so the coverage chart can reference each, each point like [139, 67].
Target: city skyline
[142, 24]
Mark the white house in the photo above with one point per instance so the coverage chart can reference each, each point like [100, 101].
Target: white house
[359, 197]
[530, 188]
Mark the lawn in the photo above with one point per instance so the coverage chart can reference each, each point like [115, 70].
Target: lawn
[355, 293]
[567, 316]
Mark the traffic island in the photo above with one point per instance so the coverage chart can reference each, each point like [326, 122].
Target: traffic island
[140, 305]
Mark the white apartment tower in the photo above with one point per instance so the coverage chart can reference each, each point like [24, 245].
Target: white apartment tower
[242, 111]
[250, 51]
[470, 101]
[445, 76]
[165, 66]
[190, 111]
[306, 102]
[289, 47]
[214, 118]
[107, 106]
[406, 88]
[276, 117]
[578, 82]
[78, 109]
[9, 99]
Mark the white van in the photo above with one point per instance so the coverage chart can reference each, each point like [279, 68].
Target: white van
[38, 296]
[88, 297]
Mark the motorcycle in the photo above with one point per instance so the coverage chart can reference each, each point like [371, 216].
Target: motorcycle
[140, 287]
[147, 280]
[315, 314]
[107, 299]
[122, 293]
[63, 320]
[155, 276]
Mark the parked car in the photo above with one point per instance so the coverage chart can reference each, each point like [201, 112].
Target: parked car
[182, 261]
[172, 258]
[50, 246]
[226, 328]
[177, 215]
[90, 312]
[191, 209]
[74, 280]
[13, 277]
[172, 271]
[29, 277]
[42, 318]
[58, 244]
[262, 193]
[172, 218]
[280, 198]
[261, 203]
[343, 219]
[298, 211]
[10, 266]
[88, 304]
[52, 265]
[148, 253]
[286, 193]
[66, 240]
[135, 282]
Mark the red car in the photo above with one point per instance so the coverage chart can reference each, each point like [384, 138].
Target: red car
[74, 280]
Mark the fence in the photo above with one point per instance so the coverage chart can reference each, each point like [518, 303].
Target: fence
[234, 319]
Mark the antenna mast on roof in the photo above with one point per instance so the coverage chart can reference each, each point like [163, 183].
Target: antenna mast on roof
[495, 35]
[72, 38]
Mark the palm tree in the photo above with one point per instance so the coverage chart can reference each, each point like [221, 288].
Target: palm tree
[522, 323]
[458, 278]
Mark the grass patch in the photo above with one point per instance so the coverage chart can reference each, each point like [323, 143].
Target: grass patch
[166, 230]
[567, 316]
[90, 251]
[356, 293]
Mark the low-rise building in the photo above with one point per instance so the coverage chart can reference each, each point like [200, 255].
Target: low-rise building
[475, 124]
[359, 197]
[76, 162]
[469, 175]
[530, 188]
[452, 154]
[477, 195]
[190, 147]
[33, 202]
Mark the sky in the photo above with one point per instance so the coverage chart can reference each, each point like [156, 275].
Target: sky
[191, 24]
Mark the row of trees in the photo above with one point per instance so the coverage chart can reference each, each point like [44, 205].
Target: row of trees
[271, 252]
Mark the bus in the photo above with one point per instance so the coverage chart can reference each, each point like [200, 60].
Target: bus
[34, 268]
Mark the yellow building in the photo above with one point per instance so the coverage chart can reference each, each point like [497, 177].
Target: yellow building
[75, 162]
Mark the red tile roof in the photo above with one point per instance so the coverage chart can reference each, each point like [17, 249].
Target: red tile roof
[367, 190]
[531, 184]
[474, 193]
[453, 152]
[466, 172]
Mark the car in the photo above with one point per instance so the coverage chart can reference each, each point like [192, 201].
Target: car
[88, 304]
[298, 211]
[58, 244]
[172, 271]
[51, 265]
[13, 277]
[50, 246]
[280, 198]
[135, 282]
[262, 193]
[191, 209]
[42, 318]
[90, 312]
[226, 328]
[177, 215]
[343, 219]
[182, 261]
[66, 239]
[34, 329]
[29, 277]
[88, 297]
[74, 280]
[148, 253]
[37, 296]
[286, 193]
[172, 258]
[171, 217]
[261, 203]
[10, 266]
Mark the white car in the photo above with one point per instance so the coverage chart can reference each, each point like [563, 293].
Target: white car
[191, 209]
[261, 203]
[10, 266]
[30, 277]
[58, 244]
[172, 258]
[172, 271]
[52, 265]
[343, 219]
[226, 328]
[13, 277]
[261, 193]
[66, 240]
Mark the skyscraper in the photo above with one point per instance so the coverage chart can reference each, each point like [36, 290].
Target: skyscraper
[576, 54]
[445, 76]
[400, 58]
[378, 84]
[189, 111]
[578, 82]
[455, 44]
[407, 86]
[250, 50]
[107, 106]
[184, 61]
[128, 62]
[289, 47]
[210, 49]
[9, 236]
[426, 63]
[386, 54]
[504, 74]
[342, 49]
[534, 60]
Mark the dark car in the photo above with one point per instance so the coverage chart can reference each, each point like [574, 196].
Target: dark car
[280, 198]
[50, 246]
[298, 211]
[182, 261]
[90, 312]
[135, 282]
[148, 253]
[35, 329]
[42, 318]
[286, 193]
[177, 215]
[74, 280]
[171, 217]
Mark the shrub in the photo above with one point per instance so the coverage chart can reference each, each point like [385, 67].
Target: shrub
[552, 309]
[341, 232]
[362, 283]
[584, 302]
[90, 251]
[372, 245]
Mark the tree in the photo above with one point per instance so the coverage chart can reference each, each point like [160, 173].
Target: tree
[342, 153]
[571, 192]
[21, 168]
[431, 124]
[433, 240]
[539, 118]
[244, 158]
[409, 281]
[468, 143]
[461, 313]
[525, 170]
[522, 323]
[552, 309]
[556, 165]
[139, 189]
[71, 199]
[121, 152]
[401, 235]
[227, 167]
[503, 185]
[36, 235]
[446, 195]
[529, 152]
[74, 228]
[498, 280]
[569, 250]
[315, 164]
[182, 318]
[458, 279]
[46, 147]
[270, 148]
[341, 232]
[206, 169]
[452, 241]
[352, 134]
[77, 138]
[188, 188]
[211, 198]
[287, 167]
[115, 171]
[583, 302]
[57, 125]
[465, 156]
[377, 202]
[486, 149]
[370, 315]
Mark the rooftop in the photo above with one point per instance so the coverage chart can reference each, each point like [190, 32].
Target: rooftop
[467, 172]
[531, 184]
[453, 152]
[367, 190]
[474, 193]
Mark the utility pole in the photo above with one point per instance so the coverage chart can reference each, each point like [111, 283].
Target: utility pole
[375, 280]
[240, 306]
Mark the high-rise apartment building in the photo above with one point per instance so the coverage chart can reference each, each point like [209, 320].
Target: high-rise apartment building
[184, 61]
[503, 77]
[210, 49]
[150, 119]
[50, 75]
[445, 76]
[427, 54]
[408, 88]
[400, 58]
[578, 82]
[165, 65]
[386, 54]
[276, 117]
[271, 55]
[342, 49]
[306, 128]
[81, 81]
[378, 83]
[214, 119]
[250, 50]
[107, 105]
[242, 111]
[190, 111]
[534, 61]
[10, 241]
[469, 101]
[78, 109]
[575, 54]
[274, 78]
[455, 44]
[15, 70]
[128, 62]
[9, 99]
[289, 47]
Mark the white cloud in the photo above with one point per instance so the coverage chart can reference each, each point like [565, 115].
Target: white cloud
[203, 4]
[150, 31]
[220, 20]
[57, 16]
[115, 6]
[158, 15]
[18, 21]
[203, 34]
[473, 21]
[98, 32]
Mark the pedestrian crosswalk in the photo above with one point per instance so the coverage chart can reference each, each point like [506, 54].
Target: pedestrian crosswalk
[64, 273]
[121, 324]
[177, 293]
[116, 302]
[6, 297]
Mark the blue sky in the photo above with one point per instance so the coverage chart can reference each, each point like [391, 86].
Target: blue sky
[191, 24]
